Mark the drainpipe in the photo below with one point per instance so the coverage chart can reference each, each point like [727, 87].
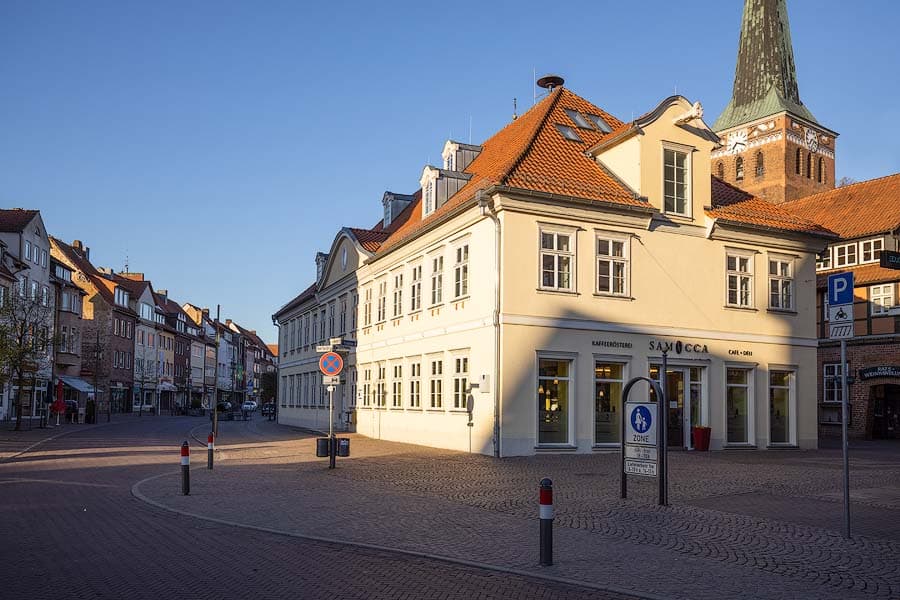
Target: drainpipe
[487, 210]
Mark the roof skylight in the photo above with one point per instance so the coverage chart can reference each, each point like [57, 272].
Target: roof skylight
[568, 133]
[578, 118]
[600, 123]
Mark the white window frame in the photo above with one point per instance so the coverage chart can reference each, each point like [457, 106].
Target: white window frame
[415, 289]
[437, 279]
[398, 295]
[831, 372]
[460, 381]
[381, 386]
[688, 167]
[367, 306]
[397, 385]
[436, 383]
[881, 298]
[781, 280]
[624, 260]
[415, 384]
[555, 231]
[751, 403]
[738, 255]
[367, 386]
[572, 359]
[792, 404]
[845, 261]
[823, 261]
[381, 299]
[461, 271]
[871, 247]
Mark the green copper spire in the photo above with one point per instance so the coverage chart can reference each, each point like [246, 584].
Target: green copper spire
[765, 80]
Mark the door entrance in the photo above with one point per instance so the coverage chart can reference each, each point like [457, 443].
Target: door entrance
[683, 394]
[886, 409]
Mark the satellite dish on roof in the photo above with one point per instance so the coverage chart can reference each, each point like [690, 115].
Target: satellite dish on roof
[548, 82]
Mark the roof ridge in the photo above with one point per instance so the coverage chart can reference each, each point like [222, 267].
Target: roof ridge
[551, 104]
[842, 188]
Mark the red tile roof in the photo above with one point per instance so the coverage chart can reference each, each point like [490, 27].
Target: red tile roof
[734, 205]
[855, 210]
[105, 288]
[530, 153]
[14, 220]
[370, 239]
[871, 274]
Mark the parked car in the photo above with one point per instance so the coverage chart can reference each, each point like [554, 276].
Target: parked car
[223, 406]
[248, 406]
[268, 408]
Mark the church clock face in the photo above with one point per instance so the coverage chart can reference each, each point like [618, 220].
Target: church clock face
[812, 140]
[737, 141]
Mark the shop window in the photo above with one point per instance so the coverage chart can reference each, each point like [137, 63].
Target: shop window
[738, 401]
[553, 388]
[781, 384]
[608, 383]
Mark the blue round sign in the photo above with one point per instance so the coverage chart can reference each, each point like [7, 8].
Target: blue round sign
[641, 419]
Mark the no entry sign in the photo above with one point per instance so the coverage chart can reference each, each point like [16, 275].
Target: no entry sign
[331, 364]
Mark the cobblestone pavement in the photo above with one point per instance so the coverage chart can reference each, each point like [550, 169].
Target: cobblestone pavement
[70, 528]
[739, 525]
[13, 443]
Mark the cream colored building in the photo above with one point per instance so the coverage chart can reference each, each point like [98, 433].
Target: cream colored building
[530, 277]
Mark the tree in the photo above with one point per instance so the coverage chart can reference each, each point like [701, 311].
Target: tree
[26, 339]
[845, 181]
[145, 372]
[269, 383]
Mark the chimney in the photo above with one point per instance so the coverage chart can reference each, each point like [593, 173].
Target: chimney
[163, 293]
[77, 245]
[87, 253]
[205, 311]
[132, 276]
[228, 322]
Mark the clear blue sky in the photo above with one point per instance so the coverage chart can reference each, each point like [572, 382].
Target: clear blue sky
[221, 144]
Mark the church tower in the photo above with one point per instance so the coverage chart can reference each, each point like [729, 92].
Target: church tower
[773, 147]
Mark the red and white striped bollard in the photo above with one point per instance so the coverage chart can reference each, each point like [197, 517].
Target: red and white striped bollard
[546, 517]
[185, 469]
[210, 448]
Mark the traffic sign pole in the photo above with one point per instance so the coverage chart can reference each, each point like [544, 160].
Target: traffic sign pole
[332, 444]
[844, 438]
[662, 436]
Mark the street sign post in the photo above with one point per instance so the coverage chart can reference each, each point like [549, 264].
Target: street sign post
[644, 437]
[840, 308]
[331, 364]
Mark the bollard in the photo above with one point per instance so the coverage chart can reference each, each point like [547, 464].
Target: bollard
[332, 450]
[546, 514]
[185, 469]
[210, 447]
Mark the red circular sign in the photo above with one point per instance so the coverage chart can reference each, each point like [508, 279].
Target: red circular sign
[331, 364]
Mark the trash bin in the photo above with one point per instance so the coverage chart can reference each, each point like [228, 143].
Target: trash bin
[701, 438]
[343, 448]
[322, 447]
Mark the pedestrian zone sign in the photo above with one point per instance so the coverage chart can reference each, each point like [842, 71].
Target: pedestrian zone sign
[640, 423]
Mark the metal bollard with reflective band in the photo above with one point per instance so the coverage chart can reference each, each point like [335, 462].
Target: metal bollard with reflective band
[185, 469]
[210, 448]
[546, 517]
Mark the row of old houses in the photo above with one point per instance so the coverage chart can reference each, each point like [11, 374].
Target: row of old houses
[111, 341]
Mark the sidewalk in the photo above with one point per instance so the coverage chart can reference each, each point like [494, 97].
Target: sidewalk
[475, 508]
[13, 443]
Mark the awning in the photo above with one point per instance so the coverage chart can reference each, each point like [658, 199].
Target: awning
[77, 383]
[165, 386]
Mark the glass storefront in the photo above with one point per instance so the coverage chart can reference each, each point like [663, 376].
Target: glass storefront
[608, 383]
[553, 401]
[780, 383]
[737, 405]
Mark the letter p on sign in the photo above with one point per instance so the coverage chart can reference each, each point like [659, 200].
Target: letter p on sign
[840, 288]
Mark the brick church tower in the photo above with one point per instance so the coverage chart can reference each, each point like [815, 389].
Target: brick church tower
[773, 147]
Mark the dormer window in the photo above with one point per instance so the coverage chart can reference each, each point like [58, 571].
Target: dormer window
[121, 297]
[449, 162]
[429, 197]
[457, 156]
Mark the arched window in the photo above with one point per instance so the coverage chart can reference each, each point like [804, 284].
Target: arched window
[797, 163]
[808, 165]
[821, 170]
[760, 166]
[739, 169]
[720, 170]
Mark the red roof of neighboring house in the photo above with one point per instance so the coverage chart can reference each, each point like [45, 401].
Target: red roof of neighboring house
[370, 239]
[871, 274]
[734, 205]
[855, 210]
[14, 220]
[273, 349]
[105, 288]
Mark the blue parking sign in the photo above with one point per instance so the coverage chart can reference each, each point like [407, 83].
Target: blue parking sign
[840, 289]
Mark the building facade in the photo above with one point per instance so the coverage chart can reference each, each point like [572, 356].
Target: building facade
[502, 308]
[867, 217]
